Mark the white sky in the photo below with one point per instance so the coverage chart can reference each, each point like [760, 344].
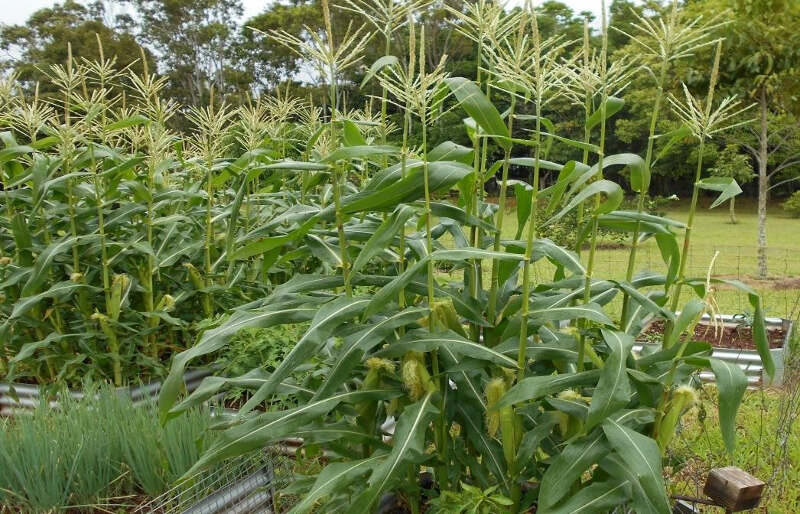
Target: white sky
[17, 11]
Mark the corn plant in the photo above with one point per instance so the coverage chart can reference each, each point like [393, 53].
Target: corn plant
[125, 244]
[524, 380]
[118, 235]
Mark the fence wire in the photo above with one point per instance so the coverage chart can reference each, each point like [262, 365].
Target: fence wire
[243, 485]
[780, 291]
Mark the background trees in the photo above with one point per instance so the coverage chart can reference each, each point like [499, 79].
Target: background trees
[32, 48]
[762, 60]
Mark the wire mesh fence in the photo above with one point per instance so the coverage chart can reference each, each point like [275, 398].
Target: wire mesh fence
[246, 484]
[780, 290]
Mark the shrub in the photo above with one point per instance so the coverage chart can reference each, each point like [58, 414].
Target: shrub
[792, 205]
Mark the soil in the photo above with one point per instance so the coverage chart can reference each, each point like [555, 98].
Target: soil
[737, 338]
[771, 283]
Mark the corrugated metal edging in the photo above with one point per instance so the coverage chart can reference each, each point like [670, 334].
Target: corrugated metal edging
[23, 398]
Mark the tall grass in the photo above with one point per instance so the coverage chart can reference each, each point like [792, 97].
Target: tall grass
[96, 451]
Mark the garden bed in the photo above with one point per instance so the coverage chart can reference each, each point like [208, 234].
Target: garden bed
[732, 341]
[730, 335]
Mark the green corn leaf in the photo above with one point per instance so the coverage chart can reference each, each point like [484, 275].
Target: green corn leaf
[611, 190]
[523, 192]
[573, 461]
[408, 449]
[42, 265]
[541, 351]
[597, 497]
[673, 137]
[130, 121]
[446, 210]
[28, 349]
[644, 301]
[336, 431]
[689, 314]
[215, 339]
[530, 442]
[9, 153]
[347, 153]
[450, 151]
[533, 388]
[325, 321]
[462, 254]
[59, 290]
[441, 175]
[644, 217]
[590, 311]
[489, 449]
[613, 106]
[530, 162]
[333, 478]
[727, 187]
[671, 255]
[692, 348]
[269, 243]
[392, 289]
[357, 345]
[613, 390]
[623, 159]
[731, 385]
[324, 251]
[233, 219]
[480, 109]
[252, 380]
[569, 173]
[271, 426]
[573, 143]
[305, 283]
[558, 255]
[642, 458]
[378, 65]
[382, 237]
[426, 342]
[351, 134]
[758, 329]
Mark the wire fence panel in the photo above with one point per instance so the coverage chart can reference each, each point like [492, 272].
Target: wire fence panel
[242, 485]
[780, 291]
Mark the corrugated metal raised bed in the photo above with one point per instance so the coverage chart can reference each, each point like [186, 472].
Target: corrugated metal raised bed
[747, 359]
[17, 398]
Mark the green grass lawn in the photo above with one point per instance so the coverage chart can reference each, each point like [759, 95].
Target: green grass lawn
[713, 232]
[768, 447]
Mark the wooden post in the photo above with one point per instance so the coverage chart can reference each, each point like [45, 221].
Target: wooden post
[734, 489]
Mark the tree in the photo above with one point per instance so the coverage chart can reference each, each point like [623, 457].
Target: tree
[762, 61]
[42, 41]
[195, 42]
[268, 62]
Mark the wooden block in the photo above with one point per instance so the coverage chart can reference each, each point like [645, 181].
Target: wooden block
[733, 488]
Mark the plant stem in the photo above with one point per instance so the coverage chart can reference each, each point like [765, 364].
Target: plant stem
[491, 312]
[587, 132]
[335, 171]
[587, 286]
[676, 295]
[647, 163]
[526, 279]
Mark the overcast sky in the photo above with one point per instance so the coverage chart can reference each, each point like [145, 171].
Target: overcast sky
[17, 11]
